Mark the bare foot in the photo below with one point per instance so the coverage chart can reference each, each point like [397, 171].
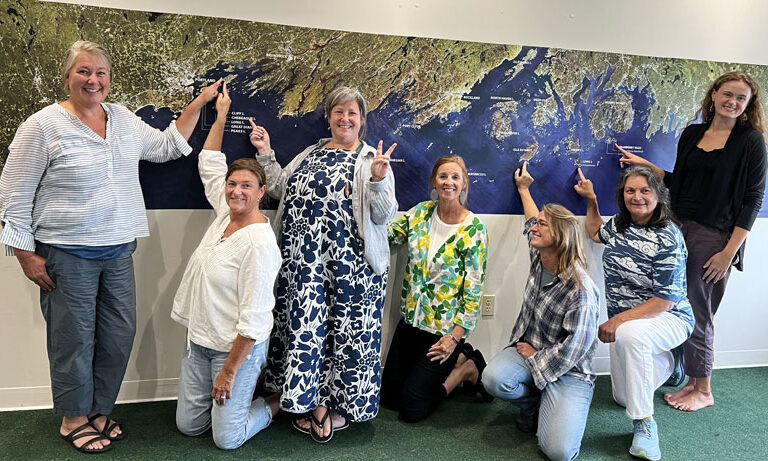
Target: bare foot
[672, 398]
[101, 421]
[70, 424]
[695, 400]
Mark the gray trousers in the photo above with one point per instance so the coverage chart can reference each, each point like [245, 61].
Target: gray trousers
[702, 243]
[90, 324]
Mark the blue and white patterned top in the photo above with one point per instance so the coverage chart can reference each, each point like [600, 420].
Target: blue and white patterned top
[642, 263]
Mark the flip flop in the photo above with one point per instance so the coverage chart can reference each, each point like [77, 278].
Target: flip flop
[79, 434]
[108, 428]
[298, 427]
[320, 423]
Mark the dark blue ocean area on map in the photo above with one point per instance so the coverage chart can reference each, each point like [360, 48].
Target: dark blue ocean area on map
[491, 160]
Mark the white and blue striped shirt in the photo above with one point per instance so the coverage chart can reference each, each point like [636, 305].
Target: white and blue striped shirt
[64, 184]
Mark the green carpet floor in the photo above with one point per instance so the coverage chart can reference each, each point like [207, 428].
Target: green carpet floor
[461, 429]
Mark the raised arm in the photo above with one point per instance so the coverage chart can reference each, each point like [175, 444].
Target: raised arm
[189, 117]
[523, 180]
[212, 164]
[585, 188]
[382, 187]
[265, 155]
[216, 134]
[628, 158]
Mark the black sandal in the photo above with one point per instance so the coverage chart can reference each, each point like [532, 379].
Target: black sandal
[479, 360]
[320, 423]
[79, 434]
[308, 419]
[108, 428]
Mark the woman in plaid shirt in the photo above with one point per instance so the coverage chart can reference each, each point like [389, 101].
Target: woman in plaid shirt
[546, 368]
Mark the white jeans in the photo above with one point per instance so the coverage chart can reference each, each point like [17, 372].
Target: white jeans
[641, 360]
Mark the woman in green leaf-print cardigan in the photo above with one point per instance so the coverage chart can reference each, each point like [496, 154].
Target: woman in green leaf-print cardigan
[444, 275]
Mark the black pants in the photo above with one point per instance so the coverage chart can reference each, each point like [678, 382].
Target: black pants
[412, 383]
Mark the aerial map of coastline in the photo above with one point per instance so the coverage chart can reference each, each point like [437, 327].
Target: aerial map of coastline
[495, 105]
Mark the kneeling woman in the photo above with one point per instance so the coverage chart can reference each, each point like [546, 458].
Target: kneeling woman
[225, 300]
[546, 369]
[645, 294]
[447, 249]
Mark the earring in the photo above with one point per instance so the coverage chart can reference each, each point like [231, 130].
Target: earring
[743, 117]
[711, 107]
[463, 197]
[433, 194]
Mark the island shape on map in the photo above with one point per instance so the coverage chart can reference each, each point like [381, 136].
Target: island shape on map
[495, 105]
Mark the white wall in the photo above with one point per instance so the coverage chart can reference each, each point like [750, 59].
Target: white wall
[703, 29]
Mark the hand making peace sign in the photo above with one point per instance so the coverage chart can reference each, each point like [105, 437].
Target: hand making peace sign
[381, 162]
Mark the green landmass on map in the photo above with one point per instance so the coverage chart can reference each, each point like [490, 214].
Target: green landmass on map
[157, 58]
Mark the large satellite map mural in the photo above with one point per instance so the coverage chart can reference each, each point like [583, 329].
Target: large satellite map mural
[493, 104]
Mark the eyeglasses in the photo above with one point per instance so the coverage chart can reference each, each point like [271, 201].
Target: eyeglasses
[540, 223]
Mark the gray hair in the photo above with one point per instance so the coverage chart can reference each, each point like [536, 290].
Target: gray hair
[83, 46]
[343, 95]
[662, 215]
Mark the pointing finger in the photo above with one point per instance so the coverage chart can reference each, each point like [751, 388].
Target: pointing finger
[253, 125]
[581, 174]
[525, 167]
[622, 150]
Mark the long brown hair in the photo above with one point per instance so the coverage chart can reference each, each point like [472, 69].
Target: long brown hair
[753, 114]
[566, 234]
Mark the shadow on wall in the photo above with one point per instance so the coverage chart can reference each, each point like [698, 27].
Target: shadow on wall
[160, 263]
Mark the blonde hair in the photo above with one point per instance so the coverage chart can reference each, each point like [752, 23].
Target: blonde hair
[566, 234]
[83, 46]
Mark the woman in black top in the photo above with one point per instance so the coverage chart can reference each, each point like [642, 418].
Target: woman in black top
[717, 189]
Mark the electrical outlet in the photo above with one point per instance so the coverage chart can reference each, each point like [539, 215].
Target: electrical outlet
[488, 303]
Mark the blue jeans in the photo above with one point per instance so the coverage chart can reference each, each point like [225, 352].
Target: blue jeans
[563, 405]
[90, 322]
[239, 418]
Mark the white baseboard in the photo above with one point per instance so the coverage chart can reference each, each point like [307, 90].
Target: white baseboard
[723, 359]
[39, 397]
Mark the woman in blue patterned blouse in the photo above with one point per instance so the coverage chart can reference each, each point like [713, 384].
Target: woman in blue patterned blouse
[336, 199]
[546, 369]
[645, 292]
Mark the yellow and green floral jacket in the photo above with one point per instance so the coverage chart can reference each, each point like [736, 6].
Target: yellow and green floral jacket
[446, 290]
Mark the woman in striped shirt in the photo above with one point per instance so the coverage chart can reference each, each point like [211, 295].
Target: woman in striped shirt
[72, 208]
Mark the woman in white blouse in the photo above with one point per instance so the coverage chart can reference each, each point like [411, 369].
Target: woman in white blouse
[225, 300]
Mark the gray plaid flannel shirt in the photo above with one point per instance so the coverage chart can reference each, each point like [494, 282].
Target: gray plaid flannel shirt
[560, 321]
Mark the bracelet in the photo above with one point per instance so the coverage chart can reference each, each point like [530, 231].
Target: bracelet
[456, 341]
